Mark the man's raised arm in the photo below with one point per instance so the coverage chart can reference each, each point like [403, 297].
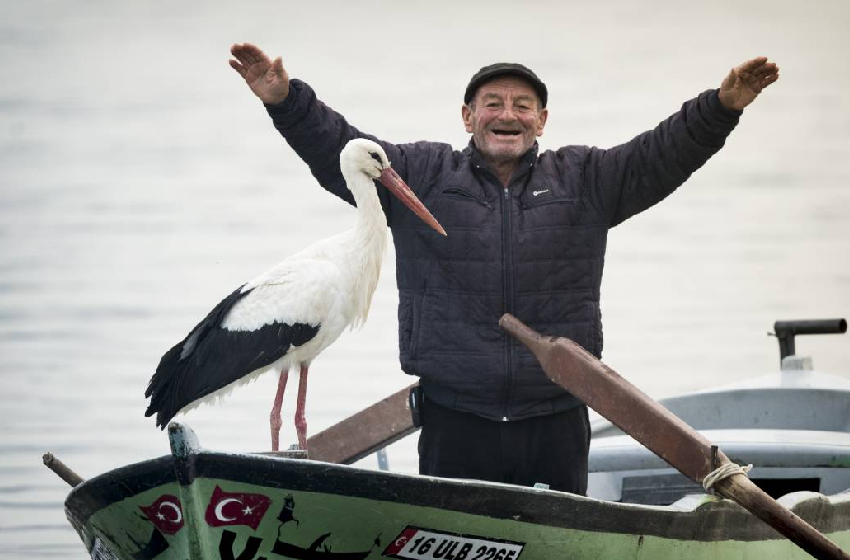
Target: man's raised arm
[315, 132]
[631, 177]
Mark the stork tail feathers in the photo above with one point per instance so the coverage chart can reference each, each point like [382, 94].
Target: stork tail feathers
[164, 388]
[213, 357]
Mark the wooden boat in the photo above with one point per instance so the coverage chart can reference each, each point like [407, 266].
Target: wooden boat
[202, 504]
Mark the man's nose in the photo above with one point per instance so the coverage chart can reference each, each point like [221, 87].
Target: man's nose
[507, 114]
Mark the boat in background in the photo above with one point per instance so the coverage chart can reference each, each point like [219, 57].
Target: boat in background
[792, 426]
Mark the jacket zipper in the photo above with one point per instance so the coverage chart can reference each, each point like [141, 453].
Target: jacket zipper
[507, 258]
[508, 287]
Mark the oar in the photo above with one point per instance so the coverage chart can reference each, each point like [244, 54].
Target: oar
[668, 436]
[365, 432]
[61, 469]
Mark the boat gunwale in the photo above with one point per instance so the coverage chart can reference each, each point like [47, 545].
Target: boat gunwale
[716, 519]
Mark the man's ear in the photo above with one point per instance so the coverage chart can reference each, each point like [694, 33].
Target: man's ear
[544, 114]
[466, 113]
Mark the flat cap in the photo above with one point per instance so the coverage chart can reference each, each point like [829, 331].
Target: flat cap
[500, 69]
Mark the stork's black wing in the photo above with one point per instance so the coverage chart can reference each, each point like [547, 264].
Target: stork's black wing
[212, 357]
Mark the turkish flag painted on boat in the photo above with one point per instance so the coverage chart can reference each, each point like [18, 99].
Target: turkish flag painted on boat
[401, 541]
[165, 513]
[236, 508]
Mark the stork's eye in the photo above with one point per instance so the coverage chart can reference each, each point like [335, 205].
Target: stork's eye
[376, 157]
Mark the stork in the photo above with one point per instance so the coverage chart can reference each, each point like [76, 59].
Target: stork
[284, 318]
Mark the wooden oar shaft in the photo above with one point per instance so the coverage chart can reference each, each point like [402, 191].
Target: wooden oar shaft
[627, 407]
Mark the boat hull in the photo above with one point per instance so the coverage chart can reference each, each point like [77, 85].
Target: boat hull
[200, 504]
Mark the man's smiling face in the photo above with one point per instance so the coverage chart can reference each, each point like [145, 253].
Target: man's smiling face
[505, 118]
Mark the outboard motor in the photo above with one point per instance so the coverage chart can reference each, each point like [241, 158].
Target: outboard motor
[785, 331]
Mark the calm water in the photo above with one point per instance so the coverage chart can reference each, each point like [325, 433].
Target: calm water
[140, 182]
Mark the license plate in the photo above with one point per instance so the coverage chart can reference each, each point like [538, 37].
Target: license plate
[414, 543]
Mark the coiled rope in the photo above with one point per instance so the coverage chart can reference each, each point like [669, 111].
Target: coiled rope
[724, 471]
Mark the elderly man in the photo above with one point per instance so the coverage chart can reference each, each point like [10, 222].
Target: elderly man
[527, 235]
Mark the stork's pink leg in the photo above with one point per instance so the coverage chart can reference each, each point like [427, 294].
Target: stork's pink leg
[300, 418]
[275, 421]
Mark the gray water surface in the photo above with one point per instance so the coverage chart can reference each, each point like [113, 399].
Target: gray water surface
[140, 182]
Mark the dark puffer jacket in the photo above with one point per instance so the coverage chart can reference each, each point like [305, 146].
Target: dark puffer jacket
[535, 249]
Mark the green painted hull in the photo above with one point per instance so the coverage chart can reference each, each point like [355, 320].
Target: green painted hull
[199, 504]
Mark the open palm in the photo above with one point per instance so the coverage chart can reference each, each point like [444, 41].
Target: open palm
[745, 82]
[268, 80]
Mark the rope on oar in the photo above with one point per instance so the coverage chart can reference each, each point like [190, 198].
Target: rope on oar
[724, 471]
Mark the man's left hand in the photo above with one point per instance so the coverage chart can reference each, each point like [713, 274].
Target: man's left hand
[745, 82]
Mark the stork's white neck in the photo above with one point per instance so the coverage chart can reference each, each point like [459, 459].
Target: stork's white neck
[368, 242]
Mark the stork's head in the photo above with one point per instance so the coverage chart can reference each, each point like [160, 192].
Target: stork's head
[364, 156]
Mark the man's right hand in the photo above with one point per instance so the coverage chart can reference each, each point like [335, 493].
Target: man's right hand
[268, 80]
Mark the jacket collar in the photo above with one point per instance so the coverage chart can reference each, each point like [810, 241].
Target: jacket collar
[526, 162]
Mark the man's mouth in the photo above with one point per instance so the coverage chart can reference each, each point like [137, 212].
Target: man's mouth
[504, 132]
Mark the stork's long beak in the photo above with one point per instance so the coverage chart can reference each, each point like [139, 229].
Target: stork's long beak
[397, 186]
